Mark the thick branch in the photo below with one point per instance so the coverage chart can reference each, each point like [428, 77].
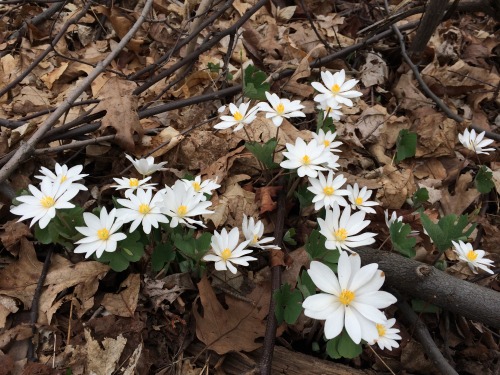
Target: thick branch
[437, 287]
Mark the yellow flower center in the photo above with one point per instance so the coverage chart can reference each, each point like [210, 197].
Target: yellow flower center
[255, 239]
[226, 254]
[306, 160]
[340, 234]
[326, 143]
[335, 89]
[359, 200]
[47, 201]
[381, 330]
[346, 297]
[238, 116]
[134, 182]
[182, 210]
[280, 108]
[196, 186]
[328, 190]
[472, 255]
[63, 178]
[144, 209]
[103, 234]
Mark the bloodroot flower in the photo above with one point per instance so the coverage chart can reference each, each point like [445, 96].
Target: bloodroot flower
[307, 158]
[475, 142]
[335, 89]
[351, 301]
[474, 258]
[240, 116]
[387, 335]
[226, 251]
[146, 166]
[281, 108]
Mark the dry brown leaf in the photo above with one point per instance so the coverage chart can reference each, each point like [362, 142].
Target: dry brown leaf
[236, 328]
[265, 195]
[464, 195]
[195, 80]
[220, 168]
[125, 302]
[169, 137]
[12, 233]
[408, 95]
[374, 71]
[122, 23]
[121, 111]
[54, 75]
[397, 185]
[168, 288]
[8, 305]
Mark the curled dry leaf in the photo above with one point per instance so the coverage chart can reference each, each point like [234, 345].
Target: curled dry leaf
[464, 195]
[397, 185]
[236, 328]
[121, 111]
[125, 302]
[11, 235]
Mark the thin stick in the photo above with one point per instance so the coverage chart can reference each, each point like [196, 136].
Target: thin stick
[381, 360]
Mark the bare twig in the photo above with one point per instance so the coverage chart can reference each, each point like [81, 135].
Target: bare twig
[424, 337]
[27, 148]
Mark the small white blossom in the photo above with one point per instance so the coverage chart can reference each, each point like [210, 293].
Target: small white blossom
[101, 233]
[387, 335]
[327, 190]
[253, 232]
[341, 231]
[328, 140]
[64, 174]
[205, 187]
[181, 203]
[240, 116]
[308, 158]
[352, 300]
[333, 112]
[281, 108]
[226, 251]
[335, 89]
[142, 208]
[360, 198]
[394, 217]
[132, 184]
[475, 142]
[474, 258]
[41, 206]
[146, 166]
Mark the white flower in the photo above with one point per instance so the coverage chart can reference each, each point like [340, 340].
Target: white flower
[181, 203]
[43, 203]
[359, 199]
[387, 335]
[306, 158]
[474, 258]
[394, 217]
[328, 140]
[253, 232]
[327, 190]
[101, 233]
[475, 142]
[335, 90]
[333, 112]
[142, 208]
[146, 166]
[227, 251]
[205, 187]
[281, 108]
[239, 117]
[132, 184]
[63, 174]
[352, 300]
[341, 232]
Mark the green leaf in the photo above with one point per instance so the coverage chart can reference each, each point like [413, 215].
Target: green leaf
[343, 346]
[484, 180]
[449, 228]
[264, 152]
[288, 304]
[406, 145]
[163, 253]
[325, 123]
[116, 260]
[400, 240]
[304, 196]
[47, 235]
[214, 68]
[132, 246]
[254, 86]
[420, 196]
[306, 285]
[288, 237]
[421, 306]
[315, 247]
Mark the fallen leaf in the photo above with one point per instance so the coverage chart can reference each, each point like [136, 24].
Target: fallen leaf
[12, 233]
[397, 185]
[54, 75]
[121, 111]
[233, 329]
[374, 71]
[125, 302]
[464, 195]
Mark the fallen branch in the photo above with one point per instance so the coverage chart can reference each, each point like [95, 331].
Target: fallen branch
[423, 281]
